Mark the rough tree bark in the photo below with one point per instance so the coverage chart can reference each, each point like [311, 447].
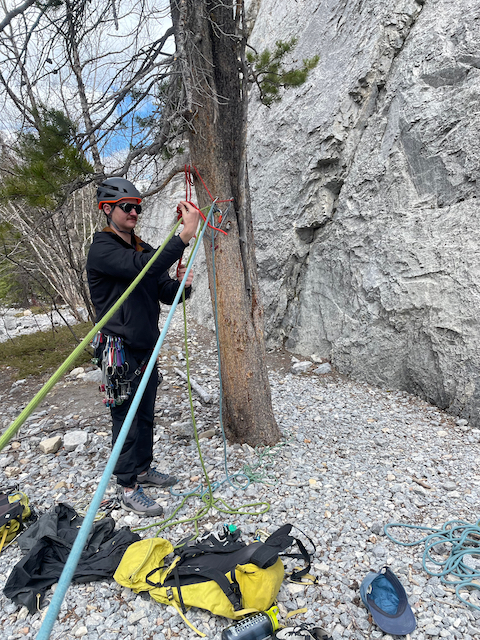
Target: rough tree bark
[210, 49]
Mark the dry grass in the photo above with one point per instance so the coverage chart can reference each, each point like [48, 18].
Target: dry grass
[44, 351]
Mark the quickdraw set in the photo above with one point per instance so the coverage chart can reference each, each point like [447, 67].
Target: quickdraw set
[115, 383]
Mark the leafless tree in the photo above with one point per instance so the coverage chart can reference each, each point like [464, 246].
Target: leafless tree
[105, 65]
[53, 247]
[102, 65]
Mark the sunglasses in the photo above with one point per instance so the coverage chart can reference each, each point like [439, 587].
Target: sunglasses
[127, 207]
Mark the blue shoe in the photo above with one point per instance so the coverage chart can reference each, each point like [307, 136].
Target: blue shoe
[153, 478]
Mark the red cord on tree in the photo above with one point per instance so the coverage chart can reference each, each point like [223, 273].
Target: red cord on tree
[188, 196]
[206, 189]
[179, 266]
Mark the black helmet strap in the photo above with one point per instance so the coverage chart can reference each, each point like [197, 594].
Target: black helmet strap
[111, 223]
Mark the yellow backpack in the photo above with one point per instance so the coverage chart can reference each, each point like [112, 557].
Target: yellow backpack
[14, 509]
[227, 578]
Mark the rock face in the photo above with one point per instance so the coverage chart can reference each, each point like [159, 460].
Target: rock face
[364, 191]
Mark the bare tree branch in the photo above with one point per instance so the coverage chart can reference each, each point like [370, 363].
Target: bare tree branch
[14, 13]
[76, 66]
[177, 169]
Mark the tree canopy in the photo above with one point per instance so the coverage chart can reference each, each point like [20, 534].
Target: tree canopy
[112, 72]
[47, 162]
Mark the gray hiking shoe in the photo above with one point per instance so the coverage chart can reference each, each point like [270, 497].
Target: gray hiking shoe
[153, 478]
[140, 503]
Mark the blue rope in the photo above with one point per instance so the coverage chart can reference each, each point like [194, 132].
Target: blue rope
[81, 539]
[248, 474]
[464, 540]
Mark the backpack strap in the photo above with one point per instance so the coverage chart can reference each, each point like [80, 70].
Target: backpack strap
[282, 531]
[208, 573]
[267, 553]
[296, 575]
[4, 536]
[278, 541]
[156, 570]
[185, 619]
[189, 549]
[243, 612]
[179, 590]
[214, 574]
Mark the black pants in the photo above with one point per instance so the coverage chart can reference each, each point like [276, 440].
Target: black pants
[137, 451]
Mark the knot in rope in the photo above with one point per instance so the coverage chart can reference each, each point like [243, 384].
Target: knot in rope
[188, 197]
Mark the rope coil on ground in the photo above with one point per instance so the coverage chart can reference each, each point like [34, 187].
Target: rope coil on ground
[461, 568]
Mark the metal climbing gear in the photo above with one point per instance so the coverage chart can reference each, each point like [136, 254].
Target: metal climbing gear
[111, 357]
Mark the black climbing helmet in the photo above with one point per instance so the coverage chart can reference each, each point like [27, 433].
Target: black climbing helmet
[114, 189]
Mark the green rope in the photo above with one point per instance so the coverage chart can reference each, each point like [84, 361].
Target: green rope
[258, 472]
[32, 405]
[207, 496]
[455, 569]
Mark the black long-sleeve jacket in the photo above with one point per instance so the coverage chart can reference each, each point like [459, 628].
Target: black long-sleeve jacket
[112, 265]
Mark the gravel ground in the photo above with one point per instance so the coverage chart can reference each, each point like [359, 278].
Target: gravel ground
[354, 458]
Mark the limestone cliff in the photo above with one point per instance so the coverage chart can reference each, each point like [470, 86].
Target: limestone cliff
[364, 189]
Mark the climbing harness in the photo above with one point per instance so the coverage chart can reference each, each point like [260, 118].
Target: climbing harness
[454, 549]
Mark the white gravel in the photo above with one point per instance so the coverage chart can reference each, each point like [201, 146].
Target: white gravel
[354, 458]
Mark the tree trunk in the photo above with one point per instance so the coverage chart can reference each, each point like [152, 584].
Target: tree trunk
[205, 33]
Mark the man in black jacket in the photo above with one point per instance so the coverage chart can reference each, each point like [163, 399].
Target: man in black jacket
[115, 258]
